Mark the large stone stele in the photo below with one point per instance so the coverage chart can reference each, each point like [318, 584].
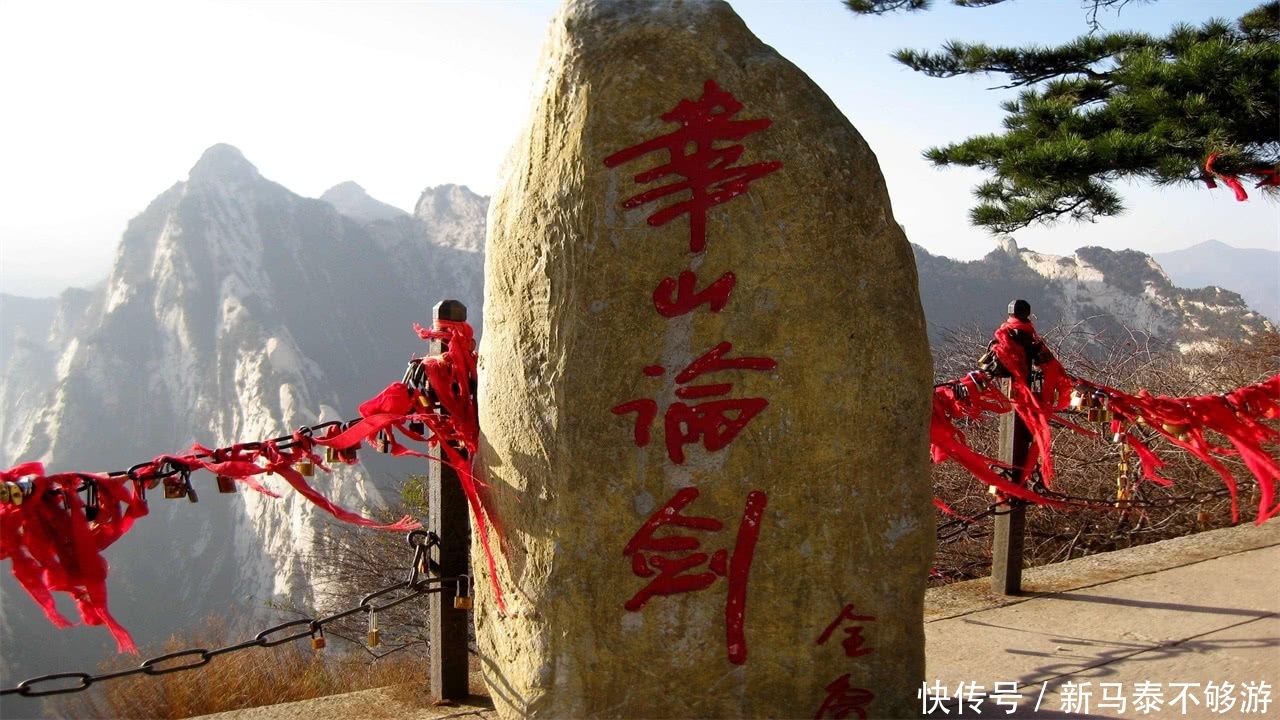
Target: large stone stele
[830, 603]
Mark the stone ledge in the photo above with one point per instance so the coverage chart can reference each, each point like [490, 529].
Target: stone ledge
[389, 703]
[971, 596]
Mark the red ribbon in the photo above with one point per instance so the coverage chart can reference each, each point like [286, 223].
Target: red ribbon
[947, 442]
[1231, 180]
[1237, 416]
[1034, 409]
[54, 547]
[451, 376]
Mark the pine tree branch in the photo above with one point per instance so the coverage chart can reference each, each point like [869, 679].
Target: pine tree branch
[882, 7]
[1117, 106]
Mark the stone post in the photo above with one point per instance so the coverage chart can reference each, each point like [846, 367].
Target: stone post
[704, 389]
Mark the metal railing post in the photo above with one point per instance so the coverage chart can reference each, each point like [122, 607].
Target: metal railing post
[449, 521]
[1008, 537]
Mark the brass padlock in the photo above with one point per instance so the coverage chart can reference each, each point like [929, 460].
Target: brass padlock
[330, 455]
[16, 494]
[174, 489]
[226, 484]
[375, 637]
[6, 491]
[1078, 399]
[1177, 430]
[462, 601]
[306, 468]
[317, 639]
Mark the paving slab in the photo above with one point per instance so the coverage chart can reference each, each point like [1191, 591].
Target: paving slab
[1208, 613]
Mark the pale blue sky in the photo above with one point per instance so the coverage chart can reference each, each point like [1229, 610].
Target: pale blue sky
[107, 104]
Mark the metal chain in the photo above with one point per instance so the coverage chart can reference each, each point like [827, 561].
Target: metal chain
[414, 377]
[416, 586]
[1038, 486]
[958, 528]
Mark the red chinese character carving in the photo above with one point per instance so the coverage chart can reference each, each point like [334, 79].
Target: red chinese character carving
[844, 701]
[676, 574]
[852, 644]
[708, 172]
[715, 422]
[672, 298]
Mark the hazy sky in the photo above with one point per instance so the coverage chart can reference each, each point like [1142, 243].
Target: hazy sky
[106, 104]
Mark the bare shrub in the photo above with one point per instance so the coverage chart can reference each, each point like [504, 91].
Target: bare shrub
[238, 680]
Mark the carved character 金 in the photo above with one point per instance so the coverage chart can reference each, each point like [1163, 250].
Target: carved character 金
[853, 644]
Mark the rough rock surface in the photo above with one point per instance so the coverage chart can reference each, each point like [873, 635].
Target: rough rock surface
[827, 484]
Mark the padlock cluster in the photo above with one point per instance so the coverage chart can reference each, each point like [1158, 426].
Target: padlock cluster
[1097, 408]
[178, 485]
[1124, 486]
[334, 455]
[1094, 404]
[16, 492]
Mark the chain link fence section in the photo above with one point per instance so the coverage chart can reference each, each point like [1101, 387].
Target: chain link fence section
[418, 585]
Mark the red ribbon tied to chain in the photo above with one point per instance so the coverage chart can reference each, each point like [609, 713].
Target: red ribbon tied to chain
[1184, 421]
[53, 547]
[54, 540]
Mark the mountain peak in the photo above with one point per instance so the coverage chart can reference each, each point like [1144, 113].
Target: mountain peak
[223, 161]
[349, 199]
[454, 216]
[350, 187]
[443, 199]
[1008, 245]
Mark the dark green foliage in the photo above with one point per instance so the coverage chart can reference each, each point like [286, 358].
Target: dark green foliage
[881, 7]
[1113, 106]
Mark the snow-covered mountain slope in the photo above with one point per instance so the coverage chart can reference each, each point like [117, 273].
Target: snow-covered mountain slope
[235, 310]
[1095, 289]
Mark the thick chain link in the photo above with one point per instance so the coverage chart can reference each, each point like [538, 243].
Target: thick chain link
[418, 585]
